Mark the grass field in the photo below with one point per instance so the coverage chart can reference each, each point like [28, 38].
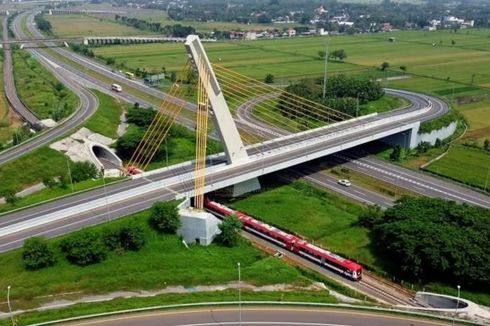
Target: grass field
[459, 161]
[40, 90]
[164, 261]
[81, 25]
[107, 118]
[31, 168]
[317, 215]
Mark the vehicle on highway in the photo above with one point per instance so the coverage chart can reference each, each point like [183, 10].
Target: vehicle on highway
[293, 243]
[344, 182]
[116, 87]
[129, 75]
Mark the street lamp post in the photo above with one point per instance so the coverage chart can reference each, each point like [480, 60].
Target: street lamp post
[105, 196]
[8, 304]
[239, 295]
[457, 304]
[325, 70]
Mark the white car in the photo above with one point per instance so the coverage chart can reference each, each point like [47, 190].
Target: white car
[344, 182]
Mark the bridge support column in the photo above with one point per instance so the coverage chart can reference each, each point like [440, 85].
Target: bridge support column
[406, 139]
[245, 187]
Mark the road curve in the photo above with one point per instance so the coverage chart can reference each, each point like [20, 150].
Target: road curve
[9, 84]
[262, 316]
[415, 181]
[87, 106]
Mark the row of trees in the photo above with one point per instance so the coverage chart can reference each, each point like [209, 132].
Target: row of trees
[343, 94]
[434, 240]
[176, 30]
[43, 24]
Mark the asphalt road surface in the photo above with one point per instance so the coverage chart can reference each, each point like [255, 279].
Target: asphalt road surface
[87, 106]
[262, 316]
[9, 85]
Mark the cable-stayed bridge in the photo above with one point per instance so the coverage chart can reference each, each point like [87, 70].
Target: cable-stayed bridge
[239, 166]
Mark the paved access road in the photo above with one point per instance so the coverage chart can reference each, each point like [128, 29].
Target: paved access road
[9, 84]
[262, 316]
[87, 106]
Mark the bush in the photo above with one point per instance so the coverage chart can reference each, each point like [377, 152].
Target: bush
[36, 254]
[129, 237]
[132, 237]
[165, 217]
[371, 216]
[84, 248]
[269, 79]
[230, 231]
[83, 171]
[10, 196]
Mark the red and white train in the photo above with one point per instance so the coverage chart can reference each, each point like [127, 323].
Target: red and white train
[325, 258]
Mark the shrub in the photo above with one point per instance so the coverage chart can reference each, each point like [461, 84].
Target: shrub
[165, 217]
[84, 248]
[230, 231]
[132, 237]
[83, 171]
[10, 196]
[36, 254]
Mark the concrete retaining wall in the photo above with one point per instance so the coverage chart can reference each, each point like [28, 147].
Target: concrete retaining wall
[442, 134]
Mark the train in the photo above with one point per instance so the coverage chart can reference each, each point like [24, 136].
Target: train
[290, 242]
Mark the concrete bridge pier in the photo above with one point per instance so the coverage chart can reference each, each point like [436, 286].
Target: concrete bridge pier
[406, 139]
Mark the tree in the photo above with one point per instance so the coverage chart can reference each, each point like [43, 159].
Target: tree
[269, 79]
[36, 254]
[339, 55]
[436, 240]
[403, 68]
[486, 144]
[49, 182]
[396, 154]
[322, 54]
[371, 216]
[385, 65]
[230, 231]
[84, 248]
[10, 196]
[164, 217]
[173, 77]
[83, 171]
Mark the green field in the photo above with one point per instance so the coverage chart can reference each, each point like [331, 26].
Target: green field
[459, 161]
[40, 90]
[163, 261]
[31, 168]
[108, 115]
[81, 25]
[321, 216]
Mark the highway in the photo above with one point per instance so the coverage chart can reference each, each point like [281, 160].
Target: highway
[355, 159]
[262, 316]
[264, 157]
[9, 84]
[87, 106]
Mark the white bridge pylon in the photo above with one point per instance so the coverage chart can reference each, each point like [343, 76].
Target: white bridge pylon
[227, 130]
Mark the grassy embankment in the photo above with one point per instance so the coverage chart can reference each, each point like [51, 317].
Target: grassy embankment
[328, 220]
[163, 261]
[40, 90]
[108, 115]
[8, 122]
[46, 162]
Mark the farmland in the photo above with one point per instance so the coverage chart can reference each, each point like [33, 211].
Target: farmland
[77, 25]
